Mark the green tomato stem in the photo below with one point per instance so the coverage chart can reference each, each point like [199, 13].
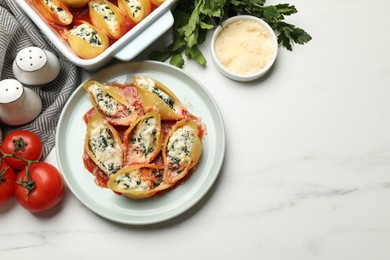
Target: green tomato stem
[28, 184]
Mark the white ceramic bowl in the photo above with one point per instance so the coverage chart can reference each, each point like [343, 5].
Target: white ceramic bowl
[243, 76]
[124, 49]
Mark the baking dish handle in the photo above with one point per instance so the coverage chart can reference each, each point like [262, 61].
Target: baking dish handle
[146, 37]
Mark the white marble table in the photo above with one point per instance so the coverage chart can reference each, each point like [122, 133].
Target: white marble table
[307, 167]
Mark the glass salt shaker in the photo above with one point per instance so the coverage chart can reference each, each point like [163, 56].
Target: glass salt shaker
[35, 66]
[18, 105]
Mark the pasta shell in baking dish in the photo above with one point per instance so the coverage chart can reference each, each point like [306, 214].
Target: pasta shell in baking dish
[75, 3]
[157, 2]
[155, 96]
[142, 140]
[181, 150]
[136, 10]
[108, 17]
[110, 103]
[138, 181]
[54, 11]
[103, 145]
[86, 40]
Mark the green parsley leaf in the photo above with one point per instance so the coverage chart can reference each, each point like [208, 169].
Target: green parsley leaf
[194, 18]
[160, 55]
[177, 60]
[196, 54]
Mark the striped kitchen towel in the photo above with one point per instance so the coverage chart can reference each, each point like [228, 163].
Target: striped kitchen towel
[17, 32]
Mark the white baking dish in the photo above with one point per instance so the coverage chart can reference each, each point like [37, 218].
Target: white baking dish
[124, 49]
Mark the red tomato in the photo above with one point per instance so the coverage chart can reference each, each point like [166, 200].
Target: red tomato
[7, 183]
[25, 144]
[46, 187]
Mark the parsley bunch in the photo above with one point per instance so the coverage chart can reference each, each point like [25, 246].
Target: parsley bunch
[193, 18]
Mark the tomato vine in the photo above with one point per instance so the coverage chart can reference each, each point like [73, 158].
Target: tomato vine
[37, 185]
[2, 178]
[28, 184]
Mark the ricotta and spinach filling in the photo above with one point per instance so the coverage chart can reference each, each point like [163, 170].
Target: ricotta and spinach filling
[130, 181]
[149, 84]
[179, 148]
[105, 149]
[144, 139]
[135, 7]
[136, 180]
[107, 13]
[61, 13]
[88, 34]
[106, 103]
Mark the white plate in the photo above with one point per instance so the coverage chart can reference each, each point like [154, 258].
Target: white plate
[70, 141]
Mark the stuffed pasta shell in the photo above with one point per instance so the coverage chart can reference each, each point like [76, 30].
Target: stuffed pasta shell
[103, 145]
[138, 181]
[181, 150]
[136, 10]
[75, 3]
[108, 17]
[110, 103]
[142, 140]
[87, 41]
[157, 2]
[155, 96]
[53, 11]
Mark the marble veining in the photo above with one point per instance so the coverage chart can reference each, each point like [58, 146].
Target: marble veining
[307, 169]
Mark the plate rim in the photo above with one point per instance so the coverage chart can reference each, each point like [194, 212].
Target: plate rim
[205, 187]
